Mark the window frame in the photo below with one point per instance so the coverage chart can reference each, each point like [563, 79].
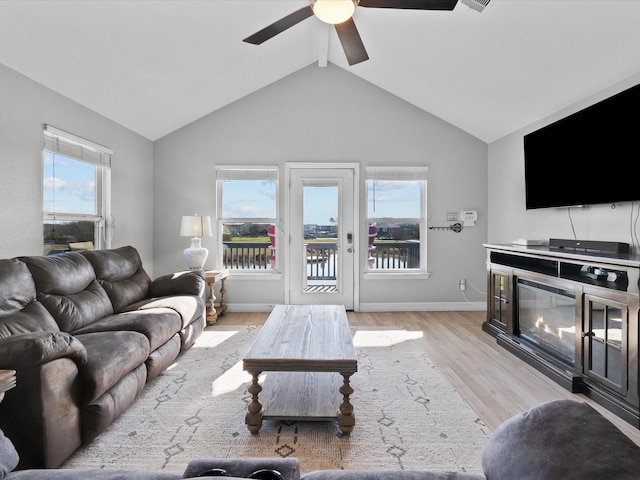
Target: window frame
[399, 173]
[247, 172]
[66, 145]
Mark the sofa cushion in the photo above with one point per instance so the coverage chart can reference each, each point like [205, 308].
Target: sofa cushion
[104, 410]
[17, 288]
[189, 282]
[120, 273]
[110, 356]
[158, 325]
[187, 307]
[32, 318]
[561, 439]
[66, 285]
[20, 312]
[8, 456]
[162, 357]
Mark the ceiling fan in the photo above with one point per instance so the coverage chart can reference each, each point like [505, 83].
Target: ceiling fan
[340, 13]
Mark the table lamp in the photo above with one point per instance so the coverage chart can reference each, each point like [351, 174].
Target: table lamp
[195, 226]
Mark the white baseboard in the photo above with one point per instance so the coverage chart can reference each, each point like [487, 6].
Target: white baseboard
[381, 307]
[423, 307]
[249, 307]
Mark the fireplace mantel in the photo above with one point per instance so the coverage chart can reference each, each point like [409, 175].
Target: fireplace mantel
[605, 364]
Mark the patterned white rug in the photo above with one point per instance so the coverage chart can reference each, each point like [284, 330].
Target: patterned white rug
[407, 415]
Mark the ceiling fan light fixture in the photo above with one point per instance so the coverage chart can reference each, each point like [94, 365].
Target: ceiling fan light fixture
[333, 11]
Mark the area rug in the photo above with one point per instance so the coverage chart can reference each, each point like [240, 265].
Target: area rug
[408, 416]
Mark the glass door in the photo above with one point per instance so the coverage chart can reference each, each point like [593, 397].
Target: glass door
[500, 295]
[604, 337]
[322, 236]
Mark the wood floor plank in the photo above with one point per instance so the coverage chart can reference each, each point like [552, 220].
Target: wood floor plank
[495, 383]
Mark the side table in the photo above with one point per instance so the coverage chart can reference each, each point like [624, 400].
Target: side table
[7, 381]
[211, 277]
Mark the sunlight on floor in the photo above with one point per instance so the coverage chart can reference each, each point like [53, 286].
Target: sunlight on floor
[234, 378]
[213, 338]
[230, 380]
[383, 338]
[209, 339]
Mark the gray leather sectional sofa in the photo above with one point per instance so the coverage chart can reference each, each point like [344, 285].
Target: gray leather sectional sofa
[85, 332]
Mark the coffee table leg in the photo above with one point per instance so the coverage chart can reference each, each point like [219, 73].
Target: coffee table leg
[346, 418]
[253, 418]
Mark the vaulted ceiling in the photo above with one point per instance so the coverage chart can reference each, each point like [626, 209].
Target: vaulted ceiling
[154, 66]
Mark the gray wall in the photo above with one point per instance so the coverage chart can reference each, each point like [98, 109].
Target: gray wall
[329, 115]
[24, 107]
[508, 218]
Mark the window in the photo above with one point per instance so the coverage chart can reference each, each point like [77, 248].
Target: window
[396, 213]
[247, 217]
[76, 188]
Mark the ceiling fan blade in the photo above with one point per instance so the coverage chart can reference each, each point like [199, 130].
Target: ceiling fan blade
[410, 4]
[351, 42]
[280, 26]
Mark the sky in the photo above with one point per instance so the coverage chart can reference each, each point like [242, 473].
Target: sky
[69, 186]
[257, 199]
[74, 192]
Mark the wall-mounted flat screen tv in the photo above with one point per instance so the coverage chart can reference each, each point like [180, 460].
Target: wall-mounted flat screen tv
[586, 158]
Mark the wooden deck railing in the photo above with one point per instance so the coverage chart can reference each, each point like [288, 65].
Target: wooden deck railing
[321, 257]
[246, 255]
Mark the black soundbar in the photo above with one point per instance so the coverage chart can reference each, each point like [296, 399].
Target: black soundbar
[589, 245]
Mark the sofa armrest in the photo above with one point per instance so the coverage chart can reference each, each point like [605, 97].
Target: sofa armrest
[214, 477]
[387, 474]
[243, 467]
[35, 348]
[179, 283]
[560, 439]
[8, 456]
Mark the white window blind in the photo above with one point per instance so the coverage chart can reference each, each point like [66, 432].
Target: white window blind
[69, 145]
[246, 173]
[397, 173]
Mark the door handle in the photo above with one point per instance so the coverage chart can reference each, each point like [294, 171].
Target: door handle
[349, 250]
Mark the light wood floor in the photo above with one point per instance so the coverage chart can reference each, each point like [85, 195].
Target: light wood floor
[495, 383]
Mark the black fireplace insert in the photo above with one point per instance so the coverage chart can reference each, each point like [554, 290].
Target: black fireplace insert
[547, 319]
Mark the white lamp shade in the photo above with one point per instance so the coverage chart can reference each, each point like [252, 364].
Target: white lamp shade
[195, 226]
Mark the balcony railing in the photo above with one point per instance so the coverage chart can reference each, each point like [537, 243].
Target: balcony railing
[247, 255]
[322, 261]
[322, 258]
[389, 255]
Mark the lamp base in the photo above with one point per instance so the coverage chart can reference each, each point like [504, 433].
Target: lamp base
[195, 255]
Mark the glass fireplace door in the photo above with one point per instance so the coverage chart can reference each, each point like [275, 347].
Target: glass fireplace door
[605, 351]
[547, 319]
[500, 291]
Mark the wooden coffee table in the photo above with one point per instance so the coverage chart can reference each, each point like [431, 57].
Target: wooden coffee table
[309, 354]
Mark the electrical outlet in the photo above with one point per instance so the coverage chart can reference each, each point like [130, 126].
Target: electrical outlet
[452, 216]
[463, 284]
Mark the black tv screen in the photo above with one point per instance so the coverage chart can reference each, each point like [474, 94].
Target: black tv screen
[586, 158]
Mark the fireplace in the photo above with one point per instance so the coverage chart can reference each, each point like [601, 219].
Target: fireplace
[547, 319]
[573, 315]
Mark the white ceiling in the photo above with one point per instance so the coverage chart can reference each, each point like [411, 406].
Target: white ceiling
[157, 65]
